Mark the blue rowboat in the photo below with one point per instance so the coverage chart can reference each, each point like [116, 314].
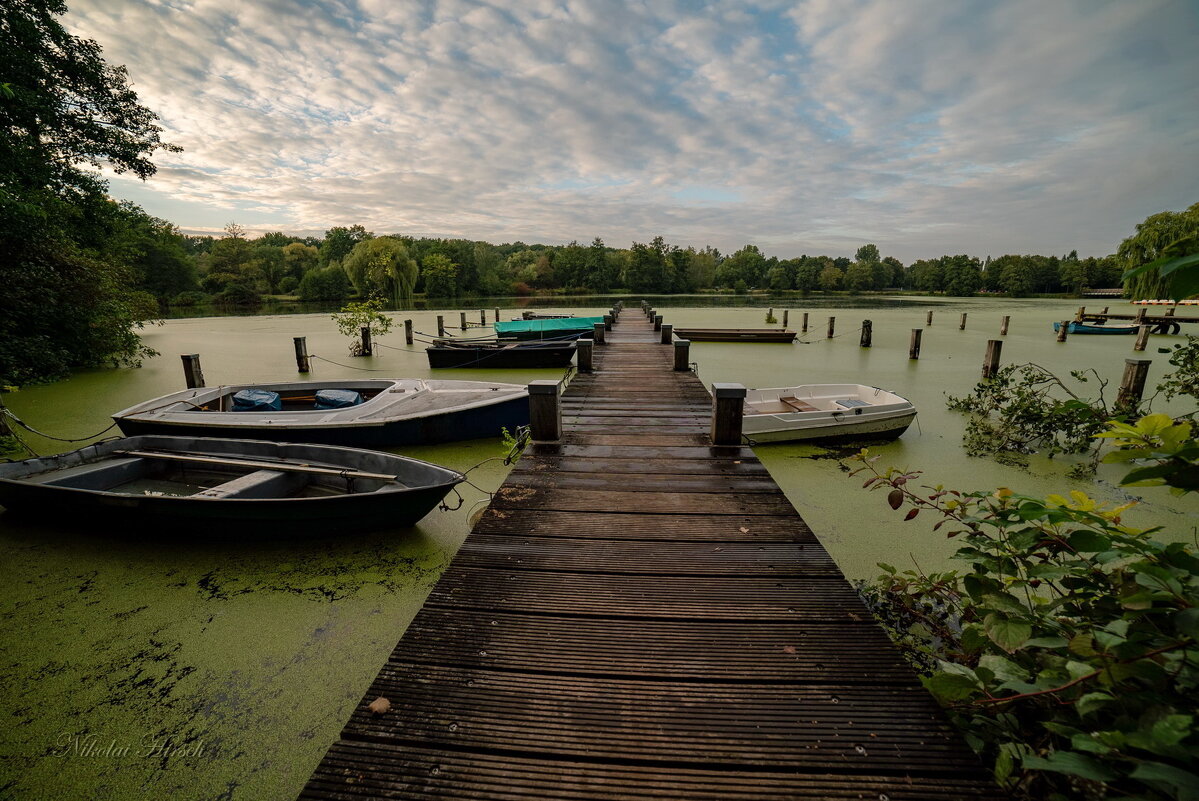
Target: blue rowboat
[1087, 328]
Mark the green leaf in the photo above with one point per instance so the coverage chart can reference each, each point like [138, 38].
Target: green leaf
[1073, 764]
[1092, 702]
[951, 686]
[1004, 602]
[1046, 642]
[1083, 645]
[1002, 669]
[1186, 623]
[1089, 541]
[1008, 634]
[1184, 783]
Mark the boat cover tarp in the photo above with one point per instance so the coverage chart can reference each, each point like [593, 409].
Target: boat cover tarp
[257, 400]
[337, 398]
[562, 325]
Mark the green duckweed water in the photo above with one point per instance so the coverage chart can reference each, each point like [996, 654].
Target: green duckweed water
[158, 666]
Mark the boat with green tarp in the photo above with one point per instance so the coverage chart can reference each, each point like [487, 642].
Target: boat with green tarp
[552, 328]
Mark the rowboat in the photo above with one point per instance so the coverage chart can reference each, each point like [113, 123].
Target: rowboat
[448, 353]
[1087, 328]
[363, 413]
[735, 334]
[559, 328]
[206, 481]
[825, 412]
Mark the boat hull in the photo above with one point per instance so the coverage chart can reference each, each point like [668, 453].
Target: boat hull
[501, 358]
[854, 431]
[826, 413]
[735, 335]
[1084, 328]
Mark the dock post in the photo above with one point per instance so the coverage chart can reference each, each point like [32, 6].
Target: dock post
[1141, 315]
[497, 314]
[192, 373]
[584, 349]
[1078, 315]
[440, 326]
[302, 363]
[649, 312]
[657, 322]
[1142, 338]
[928, 318]
[1170, 311]
[365, 333]
[608, 322]
[867, 333]
[462, 320]
[682, 355]
[598, 335]
[1132, 384]
[805, 323]
[1003, 325]
[545, 411]
[1105, 308]
[1063, 328]
[667, 333]
[991, 360]
[914, 346]
[408, 332]
[831, 326]
[728, 404]
[482, 317]
[786, 312]
[962, 322]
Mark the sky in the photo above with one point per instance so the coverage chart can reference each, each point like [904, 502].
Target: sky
[928, 128]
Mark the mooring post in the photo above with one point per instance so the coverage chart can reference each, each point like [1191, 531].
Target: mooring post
[365, 333]
[649, 312]
[728, 403]
[1142, 338]
[408, 332]
[1132, 384]
[770, 313]
[1105, 308]
[1170, 311]
[667, 333]
[301, 344]
[991, 360]
[608, 322]
[1003, 325]
[832, 324]
[805, 323]
[597, 335]
[1078, 315]
[584, 349]
[682, 355]
[462, 320]
[545, 411]
[482, 317]
[1063, 328]
[786, 312]
[962, 322]
[1141, 315]
[867, 333]
[192, 373]
[440, 325]
[497, 314]
[928, 318]
[657, 322]
[914, 347]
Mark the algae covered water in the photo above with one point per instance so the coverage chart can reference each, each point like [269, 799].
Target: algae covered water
[146, 664]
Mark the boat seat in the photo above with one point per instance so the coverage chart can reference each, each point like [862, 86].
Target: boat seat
[851, 403]
[259, 484]
[98, 476]
[798, 405]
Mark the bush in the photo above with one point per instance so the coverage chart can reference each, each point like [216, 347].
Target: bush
[190, 298]
[329, 283]
[238, 295]
[288, 284]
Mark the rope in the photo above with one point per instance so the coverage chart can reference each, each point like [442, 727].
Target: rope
[9, 414]
[823, 339]
[350, 366]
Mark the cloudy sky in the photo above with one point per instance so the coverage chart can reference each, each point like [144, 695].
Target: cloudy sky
[976, 126]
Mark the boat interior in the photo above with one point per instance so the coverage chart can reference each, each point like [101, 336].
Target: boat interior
[141, 473]
[290, 400]
[791, 405]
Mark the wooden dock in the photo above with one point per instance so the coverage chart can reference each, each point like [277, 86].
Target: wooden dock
[640, 615]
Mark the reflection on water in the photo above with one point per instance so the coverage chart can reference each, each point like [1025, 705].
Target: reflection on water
[258, 649]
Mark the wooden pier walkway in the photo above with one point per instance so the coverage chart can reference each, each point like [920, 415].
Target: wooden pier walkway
[641, 615]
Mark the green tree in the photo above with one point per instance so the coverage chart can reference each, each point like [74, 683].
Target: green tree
[600, 269]
[830, 278]
[441, 276]
[868, 254]
[701, 267]
[381, 265]
[299, 258]
[747, 264]
[324, 283]
[962, 275]
[1164, 236]
[859, 277]
[339, 242]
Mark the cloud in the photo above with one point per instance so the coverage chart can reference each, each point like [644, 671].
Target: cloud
[927, 128]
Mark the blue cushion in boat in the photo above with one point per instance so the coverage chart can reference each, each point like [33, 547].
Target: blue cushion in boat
[256, 400]
[337, 398]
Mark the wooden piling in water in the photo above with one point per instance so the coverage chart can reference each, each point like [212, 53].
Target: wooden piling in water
[1132, 383]
[497, 314]
[1003, 325]
[482, 317]
[657, 322]
[914, 345]
[365, 334]
[832, 321]
[1170, 311]
[1140, 320]
[682, 355]
[991, 360]
[462, 320]
[440, 326]
[302, 363]
[545, 411]
[597, 335]
[1078, 315]
[608, 322]
[407, 332]
[867, 333]
[962, 322]
[928, 318]
[584, 351]
[1142, 338]
[728, 404]
[667, 333]
[1063, 328]
[192, 374]
[805, 323]
[786, 312]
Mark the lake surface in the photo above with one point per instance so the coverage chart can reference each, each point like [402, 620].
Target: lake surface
[142, 664]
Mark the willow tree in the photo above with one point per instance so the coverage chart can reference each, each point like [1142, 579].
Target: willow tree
[1161, 237]
[382, 266]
